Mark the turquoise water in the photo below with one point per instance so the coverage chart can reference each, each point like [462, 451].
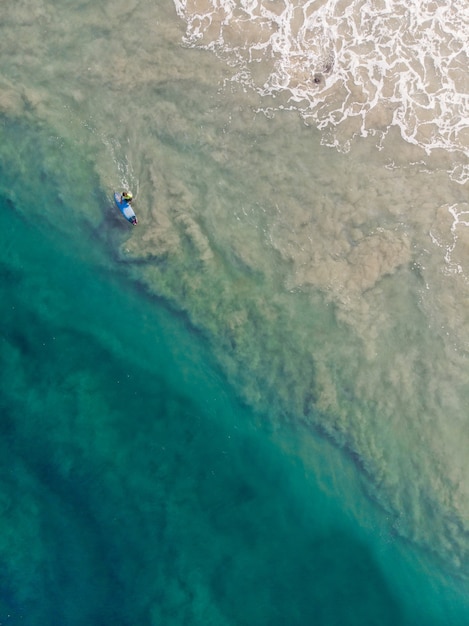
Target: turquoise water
[252, 408]
[135, 488]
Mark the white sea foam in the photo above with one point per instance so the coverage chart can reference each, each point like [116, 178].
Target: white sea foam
[355, 67]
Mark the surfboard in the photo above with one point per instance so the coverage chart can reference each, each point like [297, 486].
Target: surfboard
[125, 208]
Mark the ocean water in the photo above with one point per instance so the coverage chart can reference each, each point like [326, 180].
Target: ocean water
[251, 408]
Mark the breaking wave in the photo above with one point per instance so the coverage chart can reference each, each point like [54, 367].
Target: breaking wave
[353, 68]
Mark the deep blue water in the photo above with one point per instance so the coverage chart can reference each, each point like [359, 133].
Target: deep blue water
[135, 488]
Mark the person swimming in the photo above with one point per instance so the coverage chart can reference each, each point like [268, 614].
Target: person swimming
[123, 201]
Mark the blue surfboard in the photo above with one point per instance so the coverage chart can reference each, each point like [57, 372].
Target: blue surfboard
[125, 208]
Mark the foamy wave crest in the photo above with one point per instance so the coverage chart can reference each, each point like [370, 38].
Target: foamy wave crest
[355, 67]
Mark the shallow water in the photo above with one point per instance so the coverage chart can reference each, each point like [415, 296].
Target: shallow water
[317, 325]
[137, 489]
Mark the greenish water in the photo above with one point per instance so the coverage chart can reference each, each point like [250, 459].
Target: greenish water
[330, 285]
[252, 408]
[135, 488]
